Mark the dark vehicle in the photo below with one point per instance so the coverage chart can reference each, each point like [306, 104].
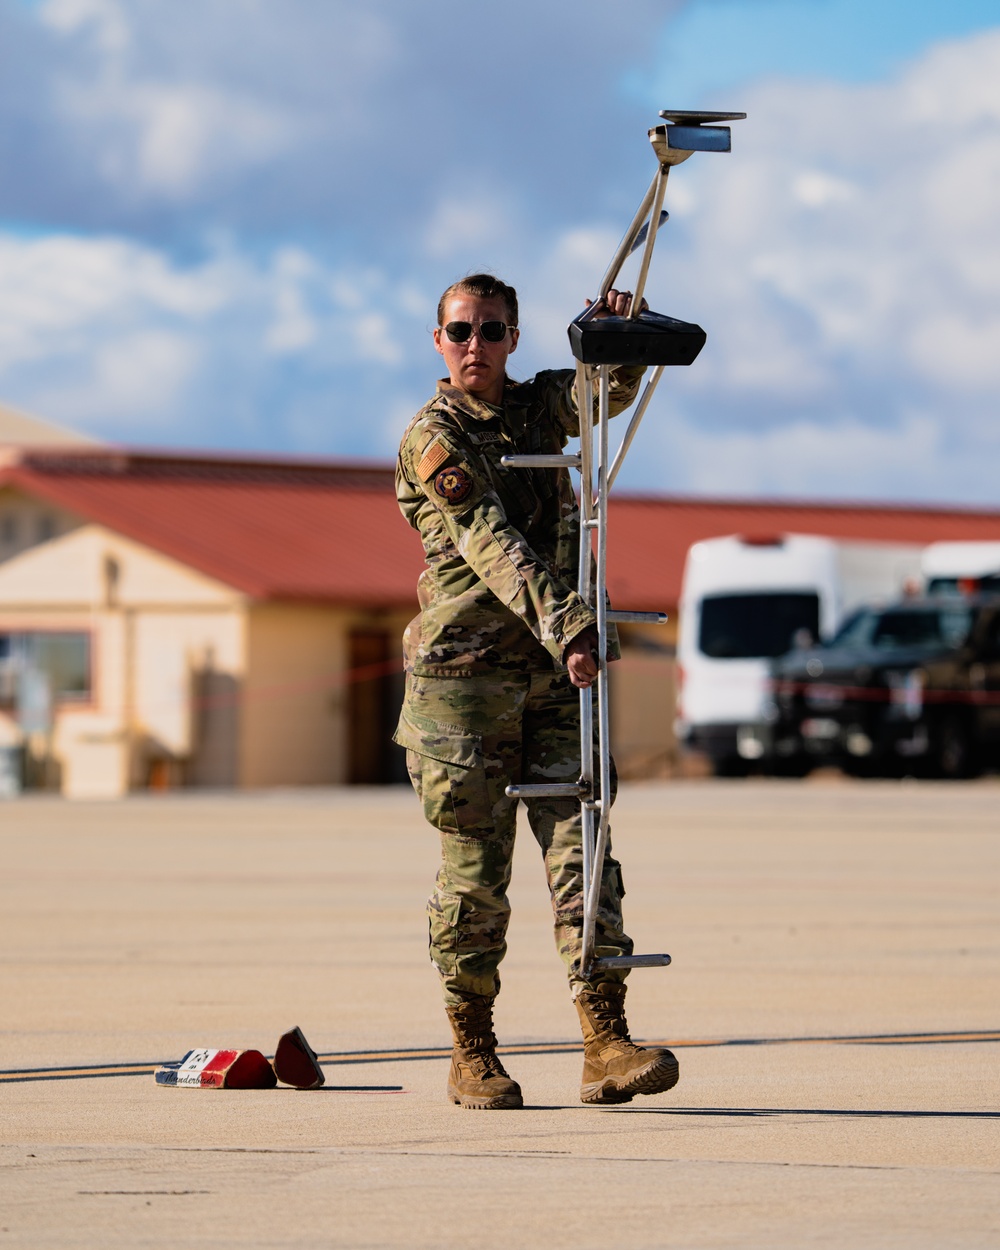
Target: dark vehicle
[912, 687]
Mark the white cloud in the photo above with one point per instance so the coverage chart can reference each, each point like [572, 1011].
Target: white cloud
[184, 132]
[568, 272]
[122, 340]
[145, 369]
[178, 102]
[293, 327]
[61, 289]
[172, 141]
[260, 114]
[806, 459]
[845, 261]
[135, 380]
[462, 225]
[843, 258]
[816, 189]
[104, 20]
[959, 352]
[376, 339]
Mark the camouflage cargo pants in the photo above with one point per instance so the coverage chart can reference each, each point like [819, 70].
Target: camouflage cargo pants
[467, 739]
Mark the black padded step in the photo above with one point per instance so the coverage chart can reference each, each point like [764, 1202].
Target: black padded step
[651, 339]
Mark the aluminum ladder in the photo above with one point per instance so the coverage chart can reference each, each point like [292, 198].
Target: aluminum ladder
[598, 343]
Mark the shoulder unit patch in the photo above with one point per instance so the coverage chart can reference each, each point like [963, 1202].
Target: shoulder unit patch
[454, 485]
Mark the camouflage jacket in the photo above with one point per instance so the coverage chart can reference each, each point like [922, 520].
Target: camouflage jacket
[501, 544]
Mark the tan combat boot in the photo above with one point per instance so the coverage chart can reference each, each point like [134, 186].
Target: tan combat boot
[614, 1068]
[477, 1078]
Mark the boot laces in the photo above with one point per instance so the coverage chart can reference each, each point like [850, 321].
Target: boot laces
[477, 1042]
[480, 1057]
[611, 1025]
[484, 1062]
[474, 1020]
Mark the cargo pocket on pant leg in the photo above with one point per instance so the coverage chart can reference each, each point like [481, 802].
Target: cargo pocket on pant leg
[437, 739]
[454, 787]
[612, 893]
[443, 913]
[470, 801]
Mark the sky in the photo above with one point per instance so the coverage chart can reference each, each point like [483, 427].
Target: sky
[225, 224]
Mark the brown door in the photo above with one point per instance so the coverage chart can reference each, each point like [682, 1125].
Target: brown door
[375, 692]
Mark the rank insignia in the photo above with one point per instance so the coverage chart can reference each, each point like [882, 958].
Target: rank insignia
[453, 485]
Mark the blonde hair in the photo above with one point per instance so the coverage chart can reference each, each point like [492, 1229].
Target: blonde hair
[483, 286]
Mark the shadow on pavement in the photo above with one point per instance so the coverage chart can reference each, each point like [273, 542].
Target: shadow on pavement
[845, 1112]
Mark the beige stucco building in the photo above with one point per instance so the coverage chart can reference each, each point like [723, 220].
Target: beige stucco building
[183, 620]
[156, 672]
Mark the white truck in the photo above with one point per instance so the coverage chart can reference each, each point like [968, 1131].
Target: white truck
[961, 567]
[747, 600]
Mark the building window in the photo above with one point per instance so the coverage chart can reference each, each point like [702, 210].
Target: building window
[8, 529]
[60, 659]
[46, 527]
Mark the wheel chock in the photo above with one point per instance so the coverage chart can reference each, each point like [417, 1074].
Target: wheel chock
[219, 1069]
[296, 1063]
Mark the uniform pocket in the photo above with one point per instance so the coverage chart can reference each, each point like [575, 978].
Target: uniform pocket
[456, 800]
[436, 739]
[456, 794]
[471, 801]
[443, 913]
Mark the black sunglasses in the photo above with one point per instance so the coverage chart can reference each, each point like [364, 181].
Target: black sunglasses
[491, 331]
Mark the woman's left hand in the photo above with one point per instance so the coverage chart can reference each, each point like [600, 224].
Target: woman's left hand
[616, 304]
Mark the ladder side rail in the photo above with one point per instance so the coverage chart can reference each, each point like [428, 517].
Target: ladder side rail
[628, 239]
[592, 894]
[588, 835]
[585, 411]
[601, 510]
[660, 189]
[585, 404]
[633, 425]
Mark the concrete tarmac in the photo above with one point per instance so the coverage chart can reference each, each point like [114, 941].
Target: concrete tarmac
[834, 1002]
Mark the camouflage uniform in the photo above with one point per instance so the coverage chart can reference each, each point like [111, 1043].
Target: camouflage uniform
[488, 701]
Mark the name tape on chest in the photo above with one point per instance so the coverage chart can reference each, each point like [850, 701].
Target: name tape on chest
[487, 436]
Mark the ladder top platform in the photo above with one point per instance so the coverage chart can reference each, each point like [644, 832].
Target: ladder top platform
[684, 117]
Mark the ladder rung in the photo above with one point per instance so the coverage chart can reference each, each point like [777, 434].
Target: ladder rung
[630, 961]
[637, 618]
[540, 462]
[554, 789]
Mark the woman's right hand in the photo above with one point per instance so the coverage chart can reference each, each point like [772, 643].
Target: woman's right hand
[580, 658]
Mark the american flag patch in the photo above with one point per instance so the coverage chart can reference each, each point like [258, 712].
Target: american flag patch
[434, 458]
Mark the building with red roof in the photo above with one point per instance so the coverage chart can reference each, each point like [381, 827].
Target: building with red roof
[235, 620]
[200, 620]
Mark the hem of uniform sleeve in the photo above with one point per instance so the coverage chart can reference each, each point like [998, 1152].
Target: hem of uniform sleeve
[477, 670]
[627, 373]
[572, 624]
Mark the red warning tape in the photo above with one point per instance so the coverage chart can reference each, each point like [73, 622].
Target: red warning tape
[828, 695]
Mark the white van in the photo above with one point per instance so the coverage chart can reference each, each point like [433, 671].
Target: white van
[747, 600]
[955, 567]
